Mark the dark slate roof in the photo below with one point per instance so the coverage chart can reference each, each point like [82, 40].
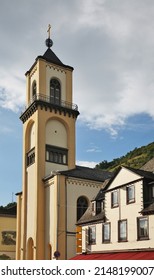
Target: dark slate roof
[142, 173]
[88, 217]
[51, 57]
[149, 209]
[100, 195]
[88, 173]
[8, 211]
[149, 166]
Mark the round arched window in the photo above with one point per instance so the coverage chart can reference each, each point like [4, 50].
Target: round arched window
[82, 205]
[55, 92]
[34, 90]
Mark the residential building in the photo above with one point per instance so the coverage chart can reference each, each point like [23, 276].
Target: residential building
[8, 232]
[121, 217]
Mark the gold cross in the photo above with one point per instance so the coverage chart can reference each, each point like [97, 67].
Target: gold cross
[49, 27]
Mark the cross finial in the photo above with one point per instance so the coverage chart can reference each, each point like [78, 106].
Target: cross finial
[49, 27]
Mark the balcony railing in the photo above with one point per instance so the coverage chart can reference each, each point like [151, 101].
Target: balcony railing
[58, 102]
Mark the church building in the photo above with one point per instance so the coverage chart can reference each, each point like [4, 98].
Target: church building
[55, 192]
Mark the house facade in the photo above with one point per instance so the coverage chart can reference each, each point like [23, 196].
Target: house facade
[8, 233]
[121, 218]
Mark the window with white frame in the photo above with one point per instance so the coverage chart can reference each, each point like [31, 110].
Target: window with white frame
[122, 230]
[114, 199]
[106, 232]
[142, 228]
[130, 190]
[92, 235]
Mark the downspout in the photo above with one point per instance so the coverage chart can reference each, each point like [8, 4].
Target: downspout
[66, 217]
[58, 204]
[119, 205]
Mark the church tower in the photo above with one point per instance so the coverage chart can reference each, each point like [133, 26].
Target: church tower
[48, 144]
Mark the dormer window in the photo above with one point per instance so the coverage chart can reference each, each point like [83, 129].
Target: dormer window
[102, 205]
[98, 207]
[55, 92]
[93, 208]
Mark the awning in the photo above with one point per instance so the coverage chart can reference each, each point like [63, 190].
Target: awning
[133, 255]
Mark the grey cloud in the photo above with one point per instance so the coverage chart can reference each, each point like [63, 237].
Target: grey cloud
[109, 43]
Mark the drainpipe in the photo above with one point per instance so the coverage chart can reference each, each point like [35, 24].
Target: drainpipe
[119, 205]
[58, 205]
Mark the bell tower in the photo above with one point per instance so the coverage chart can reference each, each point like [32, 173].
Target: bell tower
[48, 142]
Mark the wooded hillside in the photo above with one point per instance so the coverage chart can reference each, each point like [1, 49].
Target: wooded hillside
[136, 158]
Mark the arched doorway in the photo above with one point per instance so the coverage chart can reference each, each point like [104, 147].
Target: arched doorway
[30, 249]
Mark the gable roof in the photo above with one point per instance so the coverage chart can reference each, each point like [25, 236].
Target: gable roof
[141, 173]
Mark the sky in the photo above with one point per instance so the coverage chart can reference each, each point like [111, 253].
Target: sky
[110, 45]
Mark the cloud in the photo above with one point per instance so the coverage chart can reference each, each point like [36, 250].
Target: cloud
[109, 43]
[90, 164]
[93, 149]
[11, 91]
[120, 82]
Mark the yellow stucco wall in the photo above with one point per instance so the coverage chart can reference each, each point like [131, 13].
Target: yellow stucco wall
[39, 130]
[7, 235]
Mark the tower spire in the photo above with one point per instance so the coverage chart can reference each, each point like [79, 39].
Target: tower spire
[48, 41]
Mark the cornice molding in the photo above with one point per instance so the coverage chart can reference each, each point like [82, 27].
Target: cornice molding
[47, 106]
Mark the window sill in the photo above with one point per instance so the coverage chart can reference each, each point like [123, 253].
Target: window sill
[143, 239]
[130, 202]
[114, 206]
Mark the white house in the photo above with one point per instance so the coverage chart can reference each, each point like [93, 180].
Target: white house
[121, 217]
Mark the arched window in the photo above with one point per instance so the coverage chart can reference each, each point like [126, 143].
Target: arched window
[82, 205]
[55, 92]
[34, 90]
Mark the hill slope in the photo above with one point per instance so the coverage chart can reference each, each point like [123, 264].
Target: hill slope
[136, 158]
